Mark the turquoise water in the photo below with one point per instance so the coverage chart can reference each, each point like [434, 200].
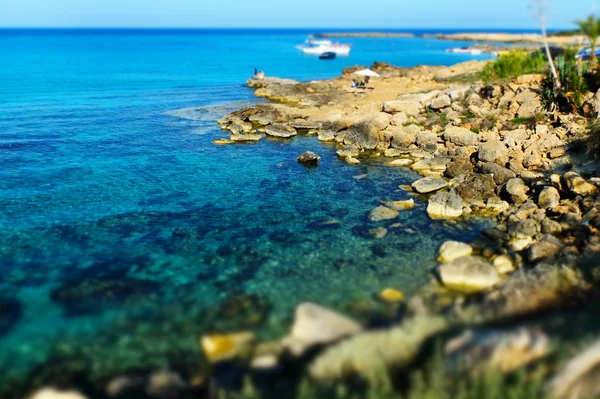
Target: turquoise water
[125, 233]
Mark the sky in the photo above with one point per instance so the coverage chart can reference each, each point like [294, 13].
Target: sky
[397, 14]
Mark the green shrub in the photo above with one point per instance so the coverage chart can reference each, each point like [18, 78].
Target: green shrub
[513, 64]
[574, 79]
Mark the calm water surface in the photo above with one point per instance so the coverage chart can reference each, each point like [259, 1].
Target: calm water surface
[125, 233]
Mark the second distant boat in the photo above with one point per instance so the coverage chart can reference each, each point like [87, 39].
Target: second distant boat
[318, 47]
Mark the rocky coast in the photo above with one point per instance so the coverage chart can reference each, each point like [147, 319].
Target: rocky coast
[493, 304]
[482, 150]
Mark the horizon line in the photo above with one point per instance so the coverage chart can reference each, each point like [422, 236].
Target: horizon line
[383, 30]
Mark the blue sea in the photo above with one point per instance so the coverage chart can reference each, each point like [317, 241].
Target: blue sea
[125, 233]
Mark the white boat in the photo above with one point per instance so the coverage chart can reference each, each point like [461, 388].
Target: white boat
[318, 47]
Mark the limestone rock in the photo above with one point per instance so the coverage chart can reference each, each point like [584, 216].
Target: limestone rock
[412, 108]
[445, 205]
[451, 250]
[577, 184]
[314, 325]
[442, 101]
[280, 130]
[217, 347]
[326, 135]
[476, 188]
[391, 295]
[51, 393]
[501, 175]
[402, 137]
[543, 250]
[580, 378]
[550, 226]
[429, 184]
[517, 190]
[523, 229]
[492, 151]
[460, 166]
[549, 198]
[460, 136]
[309, 158]
[348, 151]
[382, 213]
[503, 264]
[363, 135]
[245, 138]
[498, 350]
[468, 274]
[400, 162]
[426, 137]
[437, 164]
[401, 205]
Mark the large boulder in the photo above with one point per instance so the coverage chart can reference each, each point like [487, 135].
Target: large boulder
[309, 158]
[445, 205]
[316, 325]
[468, 274]
[492, 151]
[408, 107]
[451, 250]
[501, 175]
[460, 136]
[429, 185]
[402, 137]
[365, 134]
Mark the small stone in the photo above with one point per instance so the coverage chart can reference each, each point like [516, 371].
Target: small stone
[51, 393]
[468, 274]
[245, 138]
[429, 184]
[401, 205]
[352, 161]
[382, 213]
[165, 384]
[549, 198]
[501, 175]
[217, 347]
[282, 131]
[264, 362]
[223, 141]
[442, 101]
[309, 158]
[550, 226]
[451, 250]
[517, 190]
[556, 153]
[578, 185]
[503, 264]
[391, 295]
[522, 229]
[491, 151]
[460, 136]
[543, 250]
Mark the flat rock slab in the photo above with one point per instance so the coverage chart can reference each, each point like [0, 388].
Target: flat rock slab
[429, 185]
[382, 213]
[468, 274]
[283, 131]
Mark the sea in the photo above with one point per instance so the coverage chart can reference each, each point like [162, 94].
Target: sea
[126, 234]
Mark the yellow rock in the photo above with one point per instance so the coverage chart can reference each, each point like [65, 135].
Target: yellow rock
[352, 161]
[222, 141]
[391, 295]
[217, 347]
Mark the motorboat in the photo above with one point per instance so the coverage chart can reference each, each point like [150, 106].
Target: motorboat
[465, 50]
[318, 47]
[586, 53]
[327, 56]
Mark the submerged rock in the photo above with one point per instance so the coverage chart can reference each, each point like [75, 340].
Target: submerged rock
[468, 274]
[309, 158]
[401, 205]
[10, 313]
[382, 213]
[445, 205]
[391, 295]
[429, 184]
[451, 250]
[221, 347]
[315, 325]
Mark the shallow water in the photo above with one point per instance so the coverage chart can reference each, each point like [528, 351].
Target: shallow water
[125, 233]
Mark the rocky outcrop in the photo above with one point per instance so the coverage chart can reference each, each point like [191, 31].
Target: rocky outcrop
[281, 130]
[309, 158]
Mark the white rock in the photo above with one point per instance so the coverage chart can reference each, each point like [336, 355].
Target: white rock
[451, 250]
[468, 274]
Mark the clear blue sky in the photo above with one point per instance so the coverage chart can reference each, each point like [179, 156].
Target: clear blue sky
[399, 14]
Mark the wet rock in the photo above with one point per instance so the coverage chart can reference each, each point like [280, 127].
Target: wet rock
[309, 158]
[325, 224]
[451, 250]
[492, 151]
[400, 162]
[222, 347]
[577, 184]
[280, 130]
[51, 393]
[460, 166]
[543, 250]
[378, 232]
[429, 184]
[460, 136]
[438, 164]
[223, 141]
[517, 190]
[352, 161]
[316, 325]
[549, 198]
[326, 135]
[468, 274]
[11, 311]
[93, 295]
[348, 151]
[391, 295]
[445, 205]
[412, 108]
[382, 213]
[501, 175]
[240, 138]
[580, 378]
[400, 205]
[498, 350]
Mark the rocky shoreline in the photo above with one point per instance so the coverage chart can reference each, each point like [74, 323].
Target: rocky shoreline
[486, 150]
